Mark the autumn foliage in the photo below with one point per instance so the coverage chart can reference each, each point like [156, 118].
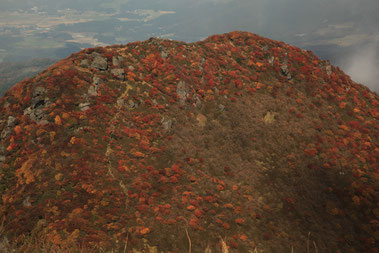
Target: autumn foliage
[236, 137]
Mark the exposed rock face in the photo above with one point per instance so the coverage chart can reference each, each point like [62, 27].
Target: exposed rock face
[39, 103]
[182, 91]
[197, 101]
[84, 106]
[285, 71]
[328, 70]
[96, 80]
[119, 73]
[167, 124]
[117, 60]
[84, 63]
[92, 91]
[99, 63]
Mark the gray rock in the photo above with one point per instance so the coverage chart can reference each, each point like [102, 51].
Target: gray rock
[132, 104]
[182, 92]
[164, 54]
[35, 113]
[119, 73]
[39, 102]
[6, 131]
[92, 91]
[26, 202]
[197, 101]
[38, 98]
[11, 122]
[96, 80]
[166, 124]
[84, 63]
[328, 70]
[99, 63]
[115, 61]
[120, 102]
[285, 71]
[84, 106]
[39, 91]
[271, 60]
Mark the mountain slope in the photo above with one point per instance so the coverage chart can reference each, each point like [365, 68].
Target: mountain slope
[235, 141]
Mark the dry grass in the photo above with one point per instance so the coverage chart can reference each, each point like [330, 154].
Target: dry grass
[34, 244]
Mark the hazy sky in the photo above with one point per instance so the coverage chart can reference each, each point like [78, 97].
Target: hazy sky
[344, 31]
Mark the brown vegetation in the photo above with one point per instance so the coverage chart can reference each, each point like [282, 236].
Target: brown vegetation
[233, 144]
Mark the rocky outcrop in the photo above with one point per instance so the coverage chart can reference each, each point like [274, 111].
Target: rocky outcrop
[39, 102]
[182, 91]
[285, 71]
[166, 124]
[11, 122]
[271, 60]
[99, 62]
[328, 70]
[119, 74]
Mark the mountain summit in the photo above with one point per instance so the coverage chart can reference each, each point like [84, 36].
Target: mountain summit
[236, 143]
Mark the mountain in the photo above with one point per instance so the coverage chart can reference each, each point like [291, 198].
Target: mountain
[237, 143]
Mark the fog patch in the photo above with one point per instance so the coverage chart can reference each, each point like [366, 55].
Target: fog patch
[362, 65]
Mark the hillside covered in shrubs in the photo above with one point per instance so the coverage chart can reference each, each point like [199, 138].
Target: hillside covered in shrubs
[236, 143]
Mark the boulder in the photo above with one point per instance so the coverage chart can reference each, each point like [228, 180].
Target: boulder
[39, 102]
[120, 102]
[11, 122]
[115, 61]
[84, 106]
[26, 202]
[84, 63]
[197, 103]
[131, 104]
[166, 124]
[328, 70]
[285, 71]
[119, 73]
[35, 113]
[96, 80]
[271, 60]
[164, 54]
[99, 63]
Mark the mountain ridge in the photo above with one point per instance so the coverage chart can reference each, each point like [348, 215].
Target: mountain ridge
[162, 143]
